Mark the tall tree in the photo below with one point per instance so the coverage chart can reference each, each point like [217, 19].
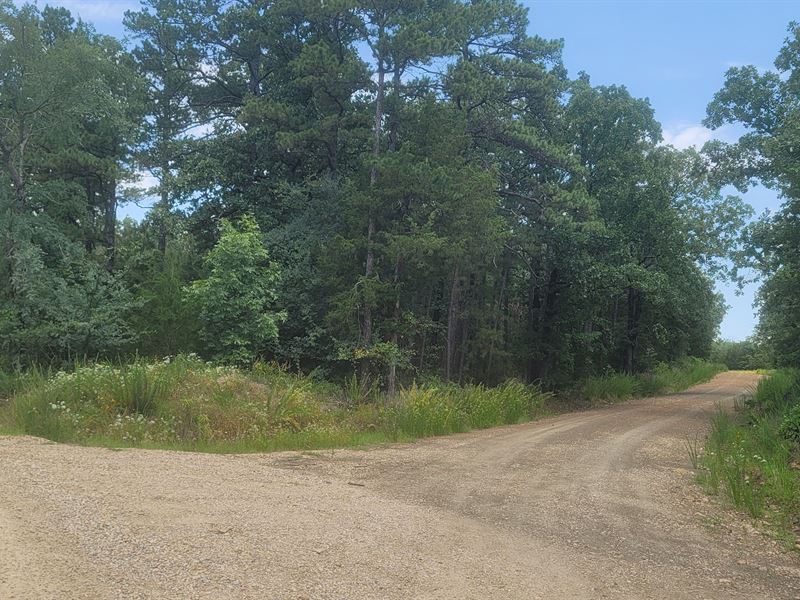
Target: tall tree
[766, 104]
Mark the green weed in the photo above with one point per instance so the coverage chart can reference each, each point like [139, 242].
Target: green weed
[186, 403]
[663, 379]
[749, 454]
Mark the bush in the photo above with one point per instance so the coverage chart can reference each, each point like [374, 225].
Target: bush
[790, 425]
[234, 303]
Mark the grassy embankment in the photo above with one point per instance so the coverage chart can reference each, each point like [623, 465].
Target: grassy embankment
[750, 456]
[185, 403]
[663, 379]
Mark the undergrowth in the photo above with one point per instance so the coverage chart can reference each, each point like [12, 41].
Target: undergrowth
[661, 380]
[184, 403]
[750, 456]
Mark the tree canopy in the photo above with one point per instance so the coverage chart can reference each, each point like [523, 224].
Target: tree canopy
[408, 188]
[767, 105]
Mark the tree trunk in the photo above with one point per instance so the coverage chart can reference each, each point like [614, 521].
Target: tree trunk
[463, 358]
[17, 174]
[424, 331]
[164, 210]
[391, 147]
[369, 271]
[452, 324]
[632, 337]
[110, 220]
[392, 377]
[497, 317]
[547, 301]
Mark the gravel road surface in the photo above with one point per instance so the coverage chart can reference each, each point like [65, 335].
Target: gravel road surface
[596, 504]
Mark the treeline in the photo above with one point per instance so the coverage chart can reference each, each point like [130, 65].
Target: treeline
[409, 187]
[766, 105]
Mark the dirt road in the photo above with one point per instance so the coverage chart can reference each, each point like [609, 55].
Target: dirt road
[597, 504]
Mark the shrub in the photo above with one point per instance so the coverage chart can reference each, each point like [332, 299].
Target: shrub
[234, 303]
[790, 425]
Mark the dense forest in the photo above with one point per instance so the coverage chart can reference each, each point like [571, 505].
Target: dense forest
[399, 188]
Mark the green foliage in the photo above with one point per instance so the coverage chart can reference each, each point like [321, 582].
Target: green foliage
[68, 103]
[452, 207]
[186, 403]
[790, 425]
[616, 386]
[748, 354]
[776, 392]
[443, 409]
[765, 104]
[16, 381]
[749, 457]
[425, 412]
[665, 378]
[157, 280]
[235, 302]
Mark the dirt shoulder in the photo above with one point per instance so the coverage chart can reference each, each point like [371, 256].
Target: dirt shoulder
[598, 504]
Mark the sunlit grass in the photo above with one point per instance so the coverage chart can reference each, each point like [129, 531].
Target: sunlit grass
[187, 404]
[750, 456]
[662, 380]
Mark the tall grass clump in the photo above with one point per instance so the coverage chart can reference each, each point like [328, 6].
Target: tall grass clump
[186, 403]
[663, 379]
[439, 409]
[750, 456]
[614, 386]
[17, 380]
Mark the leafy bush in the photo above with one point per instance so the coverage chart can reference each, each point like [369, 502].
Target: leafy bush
[234, 302]
[790, 426]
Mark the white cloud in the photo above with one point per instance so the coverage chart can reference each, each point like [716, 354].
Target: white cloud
[140, 181]
[688, 135]
[200, 131]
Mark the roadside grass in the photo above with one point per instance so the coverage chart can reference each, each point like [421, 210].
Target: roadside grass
[16, 381]
[187, 404]
[663, 379]
[751, 456]
[184, 403]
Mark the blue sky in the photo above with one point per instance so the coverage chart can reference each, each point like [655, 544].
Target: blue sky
[674, 52]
